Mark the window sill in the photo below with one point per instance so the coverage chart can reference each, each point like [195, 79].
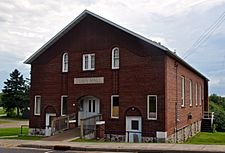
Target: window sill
[115, 118]
[88, 70]
[115, 68]
[152, 119]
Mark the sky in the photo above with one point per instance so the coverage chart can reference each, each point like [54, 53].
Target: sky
[26, 25]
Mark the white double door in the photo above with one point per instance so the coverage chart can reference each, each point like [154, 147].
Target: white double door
[133, 129]
[90, 106]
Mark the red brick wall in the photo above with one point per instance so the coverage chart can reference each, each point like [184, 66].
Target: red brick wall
[141, 73]
[196, 111]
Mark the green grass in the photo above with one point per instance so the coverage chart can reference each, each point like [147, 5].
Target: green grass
[208, 138]
[13, 118]
[24, 137]
[12, 131]
[87, 140]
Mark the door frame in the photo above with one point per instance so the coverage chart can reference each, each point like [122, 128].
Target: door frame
[47, 118]
[85, 107]
[129, 131]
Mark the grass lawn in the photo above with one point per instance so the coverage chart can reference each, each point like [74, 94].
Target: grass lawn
[87, 140]
[208, 138]
[24, 137]
[12, 131]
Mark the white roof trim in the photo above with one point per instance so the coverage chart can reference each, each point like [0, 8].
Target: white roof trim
[76, 21]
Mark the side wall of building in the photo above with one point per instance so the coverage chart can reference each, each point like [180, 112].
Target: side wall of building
[183, 119]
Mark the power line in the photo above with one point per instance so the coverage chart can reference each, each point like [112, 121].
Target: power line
[205, 35]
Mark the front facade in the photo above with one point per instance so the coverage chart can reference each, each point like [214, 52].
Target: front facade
[94, 66]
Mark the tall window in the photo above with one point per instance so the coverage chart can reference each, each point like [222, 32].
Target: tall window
[191, 92]
[88, 62]
[64, 102]
[152, 107]
[200, 96]
[115, 58]
[65, 62]
[37, 105]
[115, 106]
[183, 91]
[196, 94]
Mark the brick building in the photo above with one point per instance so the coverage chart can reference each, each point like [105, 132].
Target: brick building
[142, 89]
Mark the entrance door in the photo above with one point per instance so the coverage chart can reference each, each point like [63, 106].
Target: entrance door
[89, 106]
[133, 129]
[48, 121]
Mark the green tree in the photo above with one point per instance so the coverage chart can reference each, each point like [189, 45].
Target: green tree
[0, 99]
[217, 105]
[15, 93]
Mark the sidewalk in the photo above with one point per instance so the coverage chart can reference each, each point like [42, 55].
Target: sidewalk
[116, 147]
[65, 136]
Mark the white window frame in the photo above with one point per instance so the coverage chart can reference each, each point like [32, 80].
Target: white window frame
[115, 58]
[62, 104]
[155, 107]
[182, 91]
[90, 62]
[65, 62]
[200, 96]
[35, 105]
[191, 93]
[196, 94]
[112, 106]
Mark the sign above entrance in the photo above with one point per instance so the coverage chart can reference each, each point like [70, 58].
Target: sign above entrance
[92, 80]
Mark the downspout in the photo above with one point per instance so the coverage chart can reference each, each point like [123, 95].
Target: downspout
[176, 104]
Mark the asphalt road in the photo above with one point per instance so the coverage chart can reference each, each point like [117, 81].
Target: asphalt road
[32, 150]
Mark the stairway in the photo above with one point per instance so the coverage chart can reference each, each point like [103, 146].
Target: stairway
[206, 125]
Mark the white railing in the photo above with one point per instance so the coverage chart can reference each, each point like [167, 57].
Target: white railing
[88, 125]
[61, 123]
[210, 116]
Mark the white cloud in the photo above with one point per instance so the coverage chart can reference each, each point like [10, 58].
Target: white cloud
[26, 25]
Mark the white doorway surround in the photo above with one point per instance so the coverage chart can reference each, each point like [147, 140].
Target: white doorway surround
[48, 121]
[89, 106]
[133, 129]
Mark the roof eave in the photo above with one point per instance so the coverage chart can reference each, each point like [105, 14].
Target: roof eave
[170, 53]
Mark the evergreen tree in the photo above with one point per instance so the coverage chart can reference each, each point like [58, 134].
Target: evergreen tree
[15, 93]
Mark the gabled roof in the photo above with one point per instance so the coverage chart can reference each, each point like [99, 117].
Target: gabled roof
[82, 16]
[74, 23]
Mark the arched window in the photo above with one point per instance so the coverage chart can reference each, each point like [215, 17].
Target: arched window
[115, 58]
[65, 62]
